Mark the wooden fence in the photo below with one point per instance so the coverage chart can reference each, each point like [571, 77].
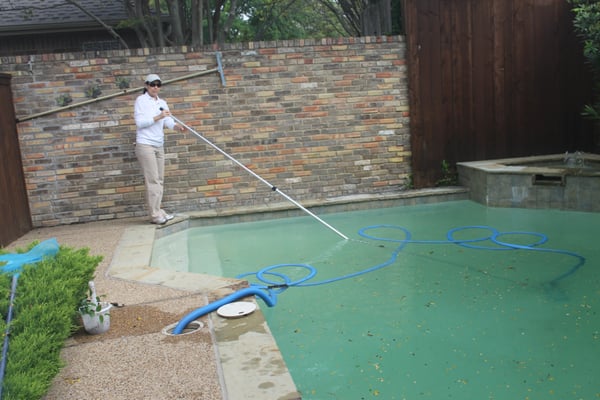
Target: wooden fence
[492, 79]
[15, 219]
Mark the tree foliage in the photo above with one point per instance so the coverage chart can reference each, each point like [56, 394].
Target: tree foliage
[160, 23]
[363, 17]
[587, 25]
[285, 19]
[199, 22]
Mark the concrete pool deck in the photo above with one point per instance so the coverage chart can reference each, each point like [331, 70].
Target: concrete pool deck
[226, 359]
[136, 359]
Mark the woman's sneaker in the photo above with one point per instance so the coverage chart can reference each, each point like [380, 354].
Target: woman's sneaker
[160, 221]
[169, 217]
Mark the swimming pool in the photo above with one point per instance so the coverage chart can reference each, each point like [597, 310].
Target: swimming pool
[442, 320]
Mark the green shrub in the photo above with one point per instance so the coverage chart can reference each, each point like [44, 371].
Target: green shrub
[587, 25]
[45, 315]
[449, 175]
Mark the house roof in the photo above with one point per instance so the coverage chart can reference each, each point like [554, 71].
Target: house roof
[39, 16]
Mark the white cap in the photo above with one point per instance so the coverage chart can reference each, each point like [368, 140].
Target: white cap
[151, 78]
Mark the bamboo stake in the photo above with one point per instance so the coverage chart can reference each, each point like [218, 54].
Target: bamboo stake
[128, 91]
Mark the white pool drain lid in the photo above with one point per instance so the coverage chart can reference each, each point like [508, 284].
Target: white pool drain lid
[236, 309]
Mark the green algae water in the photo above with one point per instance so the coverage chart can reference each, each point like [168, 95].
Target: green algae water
[434, 319]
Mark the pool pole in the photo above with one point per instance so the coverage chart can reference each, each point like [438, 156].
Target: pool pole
[273, 188]
[9, 317]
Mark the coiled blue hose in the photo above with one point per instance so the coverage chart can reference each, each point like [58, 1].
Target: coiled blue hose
[274, 282]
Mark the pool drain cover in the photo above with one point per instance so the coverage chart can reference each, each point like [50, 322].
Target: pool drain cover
[237, 309]
[192, 327]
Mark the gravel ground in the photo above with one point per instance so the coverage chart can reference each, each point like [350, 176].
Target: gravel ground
[135, 359]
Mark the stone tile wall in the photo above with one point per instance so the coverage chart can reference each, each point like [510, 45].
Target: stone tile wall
[316, 118]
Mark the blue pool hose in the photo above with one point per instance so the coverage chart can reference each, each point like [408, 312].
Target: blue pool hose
[13, 290]
[267, 296]
[276, 282]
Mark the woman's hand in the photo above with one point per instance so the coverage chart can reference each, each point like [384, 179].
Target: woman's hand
[163, 114]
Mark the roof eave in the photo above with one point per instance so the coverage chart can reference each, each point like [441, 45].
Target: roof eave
[51, 28]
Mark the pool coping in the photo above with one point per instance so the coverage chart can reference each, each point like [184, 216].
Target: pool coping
[520, 183]
[248, 338]
[526, 165]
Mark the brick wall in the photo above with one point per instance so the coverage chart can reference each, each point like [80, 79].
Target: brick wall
[316, 118]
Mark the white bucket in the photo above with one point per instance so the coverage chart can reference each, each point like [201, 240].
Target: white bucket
[93, 324]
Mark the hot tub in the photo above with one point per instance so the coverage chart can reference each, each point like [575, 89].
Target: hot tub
[569, 181]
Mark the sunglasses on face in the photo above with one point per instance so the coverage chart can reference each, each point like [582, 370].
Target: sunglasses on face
[155, 84]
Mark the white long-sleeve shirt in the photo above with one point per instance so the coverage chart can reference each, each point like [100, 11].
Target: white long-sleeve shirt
[148, 131]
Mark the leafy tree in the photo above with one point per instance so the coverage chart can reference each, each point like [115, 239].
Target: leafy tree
[107, 27]
[587, 25]
[196, 22]
[285, 19]
[291, 19]
[160, 23]
[367, 17]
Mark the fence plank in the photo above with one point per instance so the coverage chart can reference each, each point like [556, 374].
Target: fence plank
[492, 79]
[15, 219]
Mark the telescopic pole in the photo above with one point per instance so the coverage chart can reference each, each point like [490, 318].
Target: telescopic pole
[273, 188]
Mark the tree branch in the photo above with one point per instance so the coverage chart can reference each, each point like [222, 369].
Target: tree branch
[107, 27]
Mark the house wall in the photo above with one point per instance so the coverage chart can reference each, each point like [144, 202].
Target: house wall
[57, 42]
[316, 118]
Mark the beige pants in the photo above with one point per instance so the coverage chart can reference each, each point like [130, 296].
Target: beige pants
[152, 162]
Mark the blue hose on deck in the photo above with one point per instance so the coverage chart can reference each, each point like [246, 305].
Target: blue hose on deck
[278, 282]
[267, 296]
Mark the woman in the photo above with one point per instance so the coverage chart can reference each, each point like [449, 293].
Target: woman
[151, 115]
